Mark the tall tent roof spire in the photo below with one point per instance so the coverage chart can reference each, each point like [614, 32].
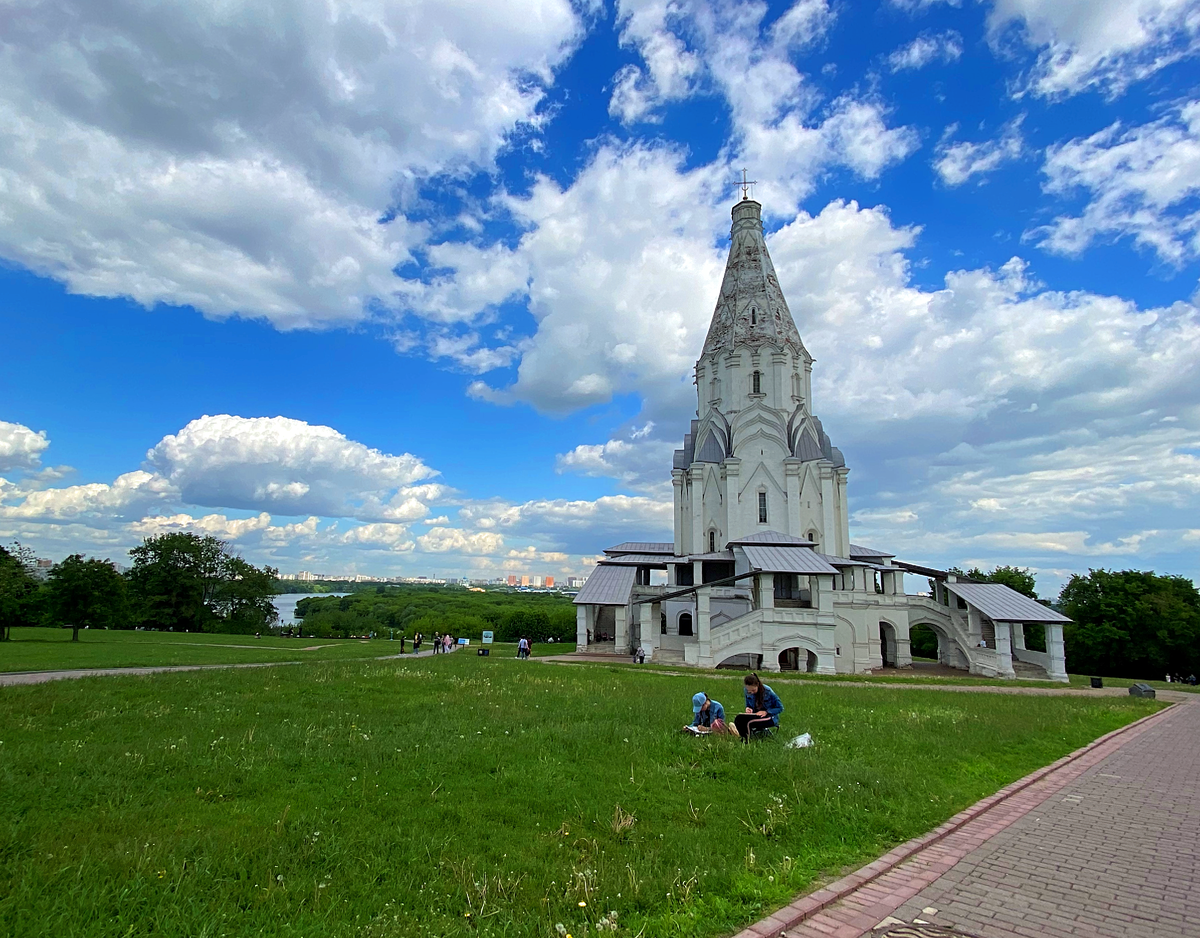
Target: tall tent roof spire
[751, 308]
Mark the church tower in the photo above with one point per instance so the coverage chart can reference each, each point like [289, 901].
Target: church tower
[757, 458]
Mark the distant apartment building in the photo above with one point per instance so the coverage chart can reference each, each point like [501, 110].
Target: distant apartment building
[524, 580]
[576, 582]
[549, 582]
[512, 579]
[537, 581]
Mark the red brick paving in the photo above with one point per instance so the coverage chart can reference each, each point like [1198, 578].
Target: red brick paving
[1104, 842]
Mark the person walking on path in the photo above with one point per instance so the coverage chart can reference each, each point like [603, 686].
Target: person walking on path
[763, 707]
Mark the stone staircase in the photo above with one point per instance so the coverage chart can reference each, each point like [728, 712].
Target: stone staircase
[668, 656]
[1026, 671]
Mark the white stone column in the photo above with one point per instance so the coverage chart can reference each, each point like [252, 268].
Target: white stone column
[704, 626]
[680, 527]
[621, 629]
[829, 534]
[1018, 636]
[843, 513]
[1004, 650]
[697, 572]
[766, 590]
[903, 646]
[652, 634]
[794, 525]
[699, 541]
[735, 511]
[823, 598]
[581, 625]
[1057, 651]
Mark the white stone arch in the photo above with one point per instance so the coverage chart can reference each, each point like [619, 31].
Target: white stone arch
[950, 651]
[823, 657]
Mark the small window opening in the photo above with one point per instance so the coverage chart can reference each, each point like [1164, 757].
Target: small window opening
[712, 542]
[756, 382]
[762, 507]
[753, 317]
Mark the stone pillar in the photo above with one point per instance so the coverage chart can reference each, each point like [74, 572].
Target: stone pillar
[903, 647]
[680, 527]
[829, 534]
[1018, 636]
[704, 626]
[974, 623]
[1057, 652]
[1004, 650]
[766, 590]
[581, 626]
[652, 634]
[823, 598]
[699, 541]
[698, 571]
[621, 629]
[792, 468]
[735, 512]
[843, 513]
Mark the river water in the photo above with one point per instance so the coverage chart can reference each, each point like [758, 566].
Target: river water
[285, 604]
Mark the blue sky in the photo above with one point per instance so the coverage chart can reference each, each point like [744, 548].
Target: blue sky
[416, 288]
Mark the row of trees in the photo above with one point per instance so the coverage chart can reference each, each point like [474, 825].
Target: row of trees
[181, 581]
[429, 609]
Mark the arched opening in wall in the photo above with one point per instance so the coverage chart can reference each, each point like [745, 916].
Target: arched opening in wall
[662, 623]
[685, 624]
[797, 659]
[712, 542]
[756, 382]
[746, 662]
[924, 642]
[887, 644]
[816, 539]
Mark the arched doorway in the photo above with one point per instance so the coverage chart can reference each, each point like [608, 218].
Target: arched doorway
[887, 644]
[797, 659]
[924, 642]
[685, 624]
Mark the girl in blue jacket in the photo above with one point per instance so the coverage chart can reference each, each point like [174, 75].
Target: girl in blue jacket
[762, 708]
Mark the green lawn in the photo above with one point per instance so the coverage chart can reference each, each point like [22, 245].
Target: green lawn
[379, 799]
[52, 649]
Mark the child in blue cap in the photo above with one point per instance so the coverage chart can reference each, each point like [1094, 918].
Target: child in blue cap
[709, 716]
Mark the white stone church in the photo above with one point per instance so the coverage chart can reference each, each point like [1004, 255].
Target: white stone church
[762, 573]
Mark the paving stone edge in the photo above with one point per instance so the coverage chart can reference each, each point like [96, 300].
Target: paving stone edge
[807, 906]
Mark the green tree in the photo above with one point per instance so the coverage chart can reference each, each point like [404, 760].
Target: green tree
[1131, 623]
[194, 582]
[18, 586]
[85, 594]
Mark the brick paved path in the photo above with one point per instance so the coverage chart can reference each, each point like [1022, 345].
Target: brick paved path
[1103, 844]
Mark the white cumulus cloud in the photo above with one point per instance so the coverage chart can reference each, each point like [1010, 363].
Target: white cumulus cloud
[958, 162]
[1105, 44]
[926, 49]
[20, 447]
[240, 158]
[1140, 182]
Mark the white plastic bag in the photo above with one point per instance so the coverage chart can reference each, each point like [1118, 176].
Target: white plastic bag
[801, 742]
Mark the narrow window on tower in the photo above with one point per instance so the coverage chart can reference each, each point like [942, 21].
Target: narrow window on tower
[756, 382]
[762, 507]
[753, 317]
[712, 542]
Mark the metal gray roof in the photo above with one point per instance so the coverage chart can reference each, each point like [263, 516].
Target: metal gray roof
[641, 560]
[1004, 604]
[845, 561]
[773, 537]
[775, 559]
[642, 547]
[717, 555]
[608, 585]
[858, 552]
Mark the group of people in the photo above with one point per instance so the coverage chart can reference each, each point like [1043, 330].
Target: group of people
[524, 648]
[443, 644]
[763, 708]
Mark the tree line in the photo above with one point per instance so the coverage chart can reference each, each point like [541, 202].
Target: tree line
[180, 581]
[408, 609]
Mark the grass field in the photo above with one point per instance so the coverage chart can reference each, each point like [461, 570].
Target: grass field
[52, 649]
[463, 796]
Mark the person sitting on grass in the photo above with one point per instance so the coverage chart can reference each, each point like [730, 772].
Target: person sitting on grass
[709, 716]
[762, 709]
